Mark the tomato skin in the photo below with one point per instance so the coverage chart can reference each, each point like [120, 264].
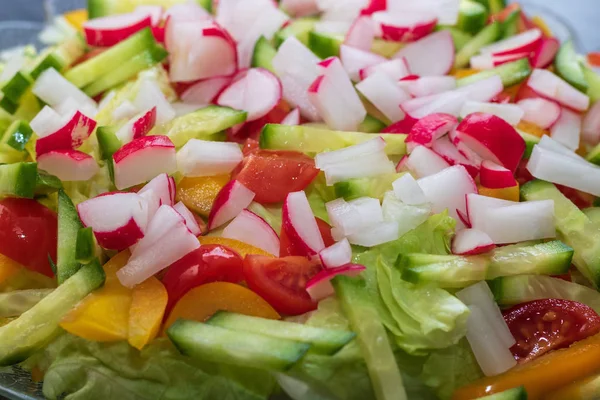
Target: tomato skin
[287, 248]
[208, 263]
[274, 174]
[282, 281]
[540, 326]
[28, 234]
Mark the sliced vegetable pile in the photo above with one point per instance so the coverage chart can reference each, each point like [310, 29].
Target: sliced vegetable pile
[345, 199]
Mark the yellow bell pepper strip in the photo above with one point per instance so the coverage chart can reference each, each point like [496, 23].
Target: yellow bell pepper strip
[542, 376]
[463, 72]
[532, 129]
[8, 267]
[77, 18]
[198, 194]
[148, 304]
[540, 23]
[508, 193]
[239, 247]
[103, 315]
[13, 276]
[200, 303]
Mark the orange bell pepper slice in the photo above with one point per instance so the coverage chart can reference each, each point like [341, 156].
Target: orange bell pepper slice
[8, 267]
[198, 194]
[508, 193]
[148, 303]
[202, 302]
[543, 375]
[239, 247]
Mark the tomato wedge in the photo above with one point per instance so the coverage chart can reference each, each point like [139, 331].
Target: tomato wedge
[208, 263]
[543, 325]
[28, 233]
[274, 174]
[286, 248]
[282, 281]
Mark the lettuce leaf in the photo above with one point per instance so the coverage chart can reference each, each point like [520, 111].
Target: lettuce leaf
[82, 369]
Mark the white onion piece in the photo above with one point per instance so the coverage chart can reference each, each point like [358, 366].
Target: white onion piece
[365, 167]
[206, 158]
[407, 217]
[424, 162]
[336, 255]
[511, 113]
[344, 217]
[369, 209]
[374, 235]
[150, 95]
[408, 190]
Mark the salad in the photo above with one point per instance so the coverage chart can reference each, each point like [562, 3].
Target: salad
[305, 199]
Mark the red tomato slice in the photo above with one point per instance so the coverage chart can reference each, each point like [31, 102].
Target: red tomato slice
[274, 174]
[28, 234]
[286, 248]
[282, 281]
[208, 263]
[549, 324]
[250, 146]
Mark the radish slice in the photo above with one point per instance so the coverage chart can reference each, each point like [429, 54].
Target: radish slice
[149, 96]
[567, 129]
[403, 126]
[554, 88]
[424, 162]
[155, 13]
[292, 119]
[447, 190]
[445, 10]
[525, 42]
[511, 113]
[361, 33]
[319, 286]
[478, 206]
[354, 60]
[375, 235]
[395, 69]
[238, 17]
[266, 25]
[299, 8]
[492, 139]
[447, 103]
[231, 200]
[545, 53]
[449, 152]
[199, 50]
[206, 91]
[591, 124]
[163, 244]
[52, 88]
[336, 255]
[118, 220]
[164, 187]
[190, 220]
[68, 165]
[142, 159]
[408, 190]
[138, 126]
[70, 106]
[495, 176]
[489, 61]
[189, 11]
[429, 129]
[432, 55]
[471, 241]
[541, 112]
[249, 228]
[300, 225]
[205, 158]
[108, 31]
[483, 90]
[46, 122]
[406, 26]
[546, 142]
[71, 135]
[428, 85]
[384, 94]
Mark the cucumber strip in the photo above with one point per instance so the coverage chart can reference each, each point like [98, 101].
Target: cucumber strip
[127, 70]
[16, 87]
[37, 326]
[511, 73]
[300, 28]
[44, 61]
[101, 8]
[68, 228]
[371, 125]
[447, 271]
[518, 393]
[372, 337]
[108, 144]
[496, 6]
[17, 135]
[568, 67]
[593, 80]
[115, 57]
[213, 343]
[15, 303]
[510, 26]
[594, 155]
[327, 341]
[85, 249]
[365, 187]
[459, 37]
[46, 183]
[472, 16]
[487, 35]
[550, 258]
[573, 227]
[323, 45]
[530, 141]
[511, 290]
[263, 54]
[593, 213]
[18, 179]
[314, 140]
[8, 105]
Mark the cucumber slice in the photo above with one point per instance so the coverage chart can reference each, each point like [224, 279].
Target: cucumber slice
[205, 124]
[472, 16]
[371, 125]
[44, 61]
[16, 86]
[550, 258]
[108, 144]
[314, 140]
[326, 341]
[593, 80]
[37, 326]
[511, 73]
[459, 37]
[496, 6]
[85, 249]
[530, 141]
[7, 105]
[18, 179]
[323, 45]
[594, 155]
[11, 156]
[365, 187]
[68, 229]
[101, 8]
[511, 290]
[510, 26]
[129, 69]
[17, 135]
[518, 393]
[15, 303]
[372, 337]
[568, 67]
[593, 213]
[213, 343]
[573, 227]
[300, 28]
[386, 48]
[115, 57]
[46, 183]
[487, 35]
[263, 54]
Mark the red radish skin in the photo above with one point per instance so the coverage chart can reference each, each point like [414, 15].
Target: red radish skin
[404, 27]
[145, 123]
[495, 176]
[373, 6]
[430, 128]
[404, 126]
[492, 138]
[121, 238]
[489, 61]
[164, 187]
[206, 91]
[541, 112]
[191, 221]
[464, 218]
[300, 225]
[449, 152]
[231, 200]
[468, 242]
[69, 136]
[545, 53]
[250, 228]
[525, 42]
[108, 31]
[319, 286]
[292, 119]
[68, 165]
[432, 55]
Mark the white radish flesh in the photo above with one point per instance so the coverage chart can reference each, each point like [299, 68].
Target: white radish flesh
[425, 162]
[206, 158]
[408, 190]
[384, 94]
[249, 228]
[337, 254]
